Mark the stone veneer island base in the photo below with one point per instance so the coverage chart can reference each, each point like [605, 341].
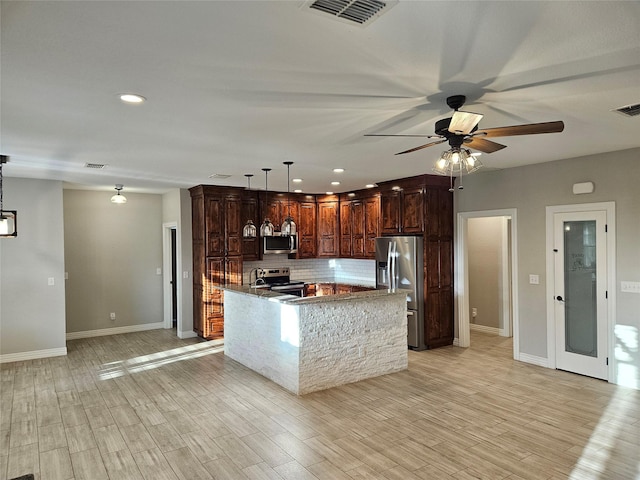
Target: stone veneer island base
[315, 343]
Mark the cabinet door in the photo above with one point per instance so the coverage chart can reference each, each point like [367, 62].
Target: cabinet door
[371, 225]
[328, 229]
[214, 226]
[198, 311]
[357, 222]
[250, 246]
[233, 225]
[390, 212]
[214, 299]
[274, 213]
[307, 230]
[412, 211]
[345, 229]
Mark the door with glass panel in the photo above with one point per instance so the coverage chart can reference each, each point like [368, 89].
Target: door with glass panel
[580, 297]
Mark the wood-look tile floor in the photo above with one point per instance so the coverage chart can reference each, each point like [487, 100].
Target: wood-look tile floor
[150, 406]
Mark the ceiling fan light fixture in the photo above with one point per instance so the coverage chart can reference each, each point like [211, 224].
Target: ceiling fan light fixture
[456, 162]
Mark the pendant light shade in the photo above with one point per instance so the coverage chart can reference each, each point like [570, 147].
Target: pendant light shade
[118, 197]
[8, 218]
[457, 162]
[266, 229]
[288, 226]
[249, 230]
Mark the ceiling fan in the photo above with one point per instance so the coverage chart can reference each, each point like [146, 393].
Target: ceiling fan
[461, 129]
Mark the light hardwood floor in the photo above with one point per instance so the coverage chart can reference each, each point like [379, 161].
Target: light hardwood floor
[150, 406]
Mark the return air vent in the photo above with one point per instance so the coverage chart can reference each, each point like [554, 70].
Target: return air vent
[629, 110]
[221, 176]
[354, 11]
[97, 166]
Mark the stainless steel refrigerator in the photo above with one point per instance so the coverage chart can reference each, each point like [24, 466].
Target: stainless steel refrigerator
[400, 264]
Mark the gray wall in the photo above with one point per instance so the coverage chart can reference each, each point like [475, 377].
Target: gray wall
[111, 255]
[32, 313]
[485, 262]
[530, 189]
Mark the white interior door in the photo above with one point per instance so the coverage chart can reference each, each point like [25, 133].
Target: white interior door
[580, 297]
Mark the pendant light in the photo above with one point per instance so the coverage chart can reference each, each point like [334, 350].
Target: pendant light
[266, 229]
[249, 230]
[288, 226]
[118, 198]
[8, 218]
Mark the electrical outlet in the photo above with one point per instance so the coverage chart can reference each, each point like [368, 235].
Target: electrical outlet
[534, 279]
[185, 274]
[474, 312]
[112, 315]
[158, 271]
[51, 281]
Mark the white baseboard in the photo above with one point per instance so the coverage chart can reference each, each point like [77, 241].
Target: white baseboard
[187, 334]
[534, 360]
[115, 330]
[484, 329]
[456, 342]
[21, 356]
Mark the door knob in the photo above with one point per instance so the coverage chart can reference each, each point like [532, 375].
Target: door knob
[559, 298]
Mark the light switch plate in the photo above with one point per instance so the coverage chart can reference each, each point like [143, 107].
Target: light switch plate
[534, 279]
[158, 271]
[51, 281]
[185, 274]
[630, 287]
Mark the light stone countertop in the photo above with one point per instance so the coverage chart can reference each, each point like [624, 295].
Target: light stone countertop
[294, 300]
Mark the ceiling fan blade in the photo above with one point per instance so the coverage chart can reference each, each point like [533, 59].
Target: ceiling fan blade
[485, 146]
[463, 123]
[398, 135]
[422, 146]
[529, 129]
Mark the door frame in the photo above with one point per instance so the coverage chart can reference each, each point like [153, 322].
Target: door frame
[610, 209]
[462, 274]
[166, 277]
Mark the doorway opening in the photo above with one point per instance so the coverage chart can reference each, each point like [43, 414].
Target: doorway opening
[486, 245]
[172, 291]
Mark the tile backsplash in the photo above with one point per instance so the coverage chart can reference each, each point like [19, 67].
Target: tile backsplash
[347, 270]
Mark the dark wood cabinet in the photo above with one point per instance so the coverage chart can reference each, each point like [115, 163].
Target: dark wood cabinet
[359, 226]
[345, 228]
[217, 253]
[328, 227]
[307, 230]
[438, 256]
[402, 210]
[279, 207]
[250, 211]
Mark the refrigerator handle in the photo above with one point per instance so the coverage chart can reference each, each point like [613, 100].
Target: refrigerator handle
[394, 273]
[389, 266]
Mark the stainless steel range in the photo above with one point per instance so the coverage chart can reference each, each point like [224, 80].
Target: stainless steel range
[279, 280]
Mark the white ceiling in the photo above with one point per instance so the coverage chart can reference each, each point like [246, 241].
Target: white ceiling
[235, 86]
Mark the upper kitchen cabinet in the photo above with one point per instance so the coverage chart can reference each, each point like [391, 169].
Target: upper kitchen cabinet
[250, 211]
[307, 228]
[359, 225]
[402, 206]
[279, 207]
[328, 213]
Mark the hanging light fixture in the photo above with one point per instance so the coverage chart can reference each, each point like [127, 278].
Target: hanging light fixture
[8, 218]
[249, 230]
[457, 162]
[118, 198]
[266, 229]
[288, 226]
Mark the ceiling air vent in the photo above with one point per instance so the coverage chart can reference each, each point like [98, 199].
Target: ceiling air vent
[356, 11]
[97, 166]
[629, 110]
[221, 176]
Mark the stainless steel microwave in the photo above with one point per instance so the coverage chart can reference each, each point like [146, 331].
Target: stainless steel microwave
[278, 243]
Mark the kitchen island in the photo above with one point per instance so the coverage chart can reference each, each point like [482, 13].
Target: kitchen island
[314, 343]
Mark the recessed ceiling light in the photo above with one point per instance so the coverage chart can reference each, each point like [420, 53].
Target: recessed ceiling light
[296, 180]
[369, 185]
[338, 170]
[329, 193]
[351, 194]
[297, 191]
[132, 98]
[335, 183]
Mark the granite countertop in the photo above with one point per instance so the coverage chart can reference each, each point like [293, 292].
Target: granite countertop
[294, 300]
